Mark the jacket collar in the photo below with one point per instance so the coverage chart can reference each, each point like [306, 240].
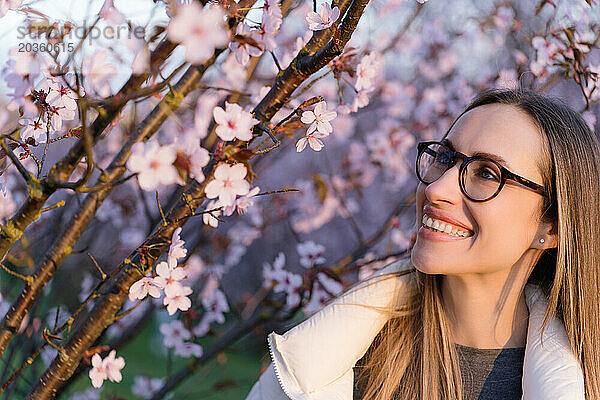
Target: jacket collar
[314, 360]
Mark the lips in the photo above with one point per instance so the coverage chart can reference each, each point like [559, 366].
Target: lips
[442, 216]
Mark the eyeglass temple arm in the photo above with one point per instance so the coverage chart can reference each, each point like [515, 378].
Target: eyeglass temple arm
[526, 182]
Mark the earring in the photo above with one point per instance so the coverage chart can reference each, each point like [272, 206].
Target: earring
[542, 240]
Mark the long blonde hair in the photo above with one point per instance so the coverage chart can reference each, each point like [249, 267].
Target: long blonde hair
[413, 356]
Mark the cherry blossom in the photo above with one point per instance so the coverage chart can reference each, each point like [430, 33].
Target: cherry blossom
[283, 281]
[142, 288]
[110, 14]
[319, 118]
[270, 24]
[210, 218]
[168, 278]
[154, 164]
[188, 349]
[141, 59]
[176, 250]
[6, 5]
[114, 366]
[310, 253]
[180, 301]
[323, 288]
[33, 129]
[214, 306]
[313, 139]
[59, 92]
[98, 73]
[229, 181]
[243, 50]
[146, 387]
[199, 30]
[98, 372]
[58, 114]
[241, 203]
[174, 333]
[366, 70]
[109, 368]
[234, 122]
[324, 19]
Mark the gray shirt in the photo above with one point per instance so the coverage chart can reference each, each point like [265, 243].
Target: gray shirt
[487, 374]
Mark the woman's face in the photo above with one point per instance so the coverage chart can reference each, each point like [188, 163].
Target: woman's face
[502, 229]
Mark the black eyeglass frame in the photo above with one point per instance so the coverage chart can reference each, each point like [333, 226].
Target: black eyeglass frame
[455, 155]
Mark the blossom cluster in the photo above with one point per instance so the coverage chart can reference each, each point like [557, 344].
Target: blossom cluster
[168, 280]
[280, 280]
[253, 41]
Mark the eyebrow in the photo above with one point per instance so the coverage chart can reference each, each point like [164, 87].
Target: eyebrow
[494, 157]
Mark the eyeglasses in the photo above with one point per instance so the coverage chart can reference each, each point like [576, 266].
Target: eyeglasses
[480, 178]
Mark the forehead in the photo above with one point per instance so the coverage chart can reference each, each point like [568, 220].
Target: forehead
[503, 130]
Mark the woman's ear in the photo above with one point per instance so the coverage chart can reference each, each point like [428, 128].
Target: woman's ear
[546, 237]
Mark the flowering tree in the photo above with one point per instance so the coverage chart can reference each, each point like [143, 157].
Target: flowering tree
[125, 190]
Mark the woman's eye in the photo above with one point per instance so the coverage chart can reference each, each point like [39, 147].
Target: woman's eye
[487, 174]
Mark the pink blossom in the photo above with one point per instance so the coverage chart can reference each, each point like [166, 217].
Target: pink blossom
[98, 372]
[143, 287]
[6, 5]
[243, 51]
[229, 181]
[199, 30]
[109, 368]
[154, 164]
[214, 307]
[366, 70]
[33, 129]
[210, 218]
[233, 122]
[187, 349]
[29, 62]
[241, 203]
[168, 278]
[310, 253]
[176, 250]
[110, 14]
[114, 366]
[98, 73]
[58, 114]
[313, 139]
[270, 24]
[174, 333]
[145, 387]
[59, 92]
[323, 288]
[324, 19]
[319, 118]
[141, 59]
[180, 301]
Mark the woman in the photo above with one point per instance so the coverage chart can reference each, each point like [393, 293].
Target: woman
[500, 297]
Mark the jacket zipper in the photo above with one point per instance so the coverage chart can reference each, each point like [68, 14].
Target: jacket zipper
[271, 351]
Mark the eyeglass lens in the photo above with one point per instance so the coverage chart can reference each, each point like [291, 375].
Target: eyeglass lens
[481, 178]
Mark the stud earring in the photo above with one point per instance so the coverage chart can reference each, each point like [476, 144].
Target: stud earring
[542, 240]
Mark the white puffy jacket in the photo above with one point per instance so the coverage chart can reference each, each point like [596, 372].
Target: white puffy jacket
[314, 360]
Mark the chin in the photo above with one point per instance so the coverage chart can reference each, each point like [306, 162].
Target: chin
[427, 266]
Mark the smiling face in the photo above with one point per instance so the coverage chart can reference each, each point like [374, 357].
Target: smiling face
[502, 229]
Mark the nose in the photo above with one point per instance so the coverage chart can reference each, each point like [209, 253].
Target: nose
[446, 187]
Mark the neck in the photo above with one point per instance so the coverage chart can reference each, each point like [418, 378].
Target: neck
[488, 310]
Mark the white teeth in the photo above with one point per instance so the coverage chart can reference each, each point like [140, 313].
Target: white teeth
[443, 227]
